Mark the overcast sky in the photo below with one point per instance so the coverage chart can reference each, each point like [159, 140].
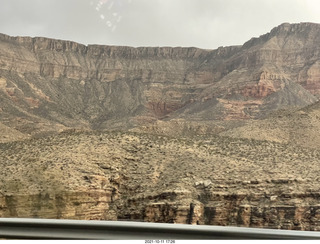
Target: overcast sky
[198, 23]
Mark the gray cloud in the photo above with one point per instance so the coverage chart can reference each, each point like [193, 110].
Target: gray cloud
[200, 23]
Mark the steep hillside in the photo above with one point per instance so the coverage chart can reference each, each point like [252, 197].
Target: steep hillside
[114, 176]
[275, 71]
[50, 85]
[299, 127]
[181, 135]
[8, 134]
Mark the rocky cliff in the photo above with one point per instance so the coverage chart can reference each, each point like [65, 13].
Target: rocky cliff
[141, 177]
[49, 85]
[222, 137]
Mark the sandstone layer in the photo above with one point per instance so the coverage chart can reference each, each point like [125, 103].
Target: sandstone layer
[141, 177]
[177, 135]
[49, 85]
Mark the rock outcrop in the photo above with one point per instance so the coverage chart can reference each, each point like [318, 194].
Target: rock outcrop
[50, 85]
[141, 177]
[262, 170]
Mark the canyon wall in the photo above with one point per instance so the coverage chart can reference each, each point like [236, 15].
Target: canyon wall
[57, 97]
[142, 177]
[287, 211]
[49, 85]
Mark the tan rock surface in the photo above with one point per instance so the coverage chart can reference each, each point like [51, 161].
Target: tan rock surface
[261, 98]
[67, 84]
[114, 176]
[299, 127]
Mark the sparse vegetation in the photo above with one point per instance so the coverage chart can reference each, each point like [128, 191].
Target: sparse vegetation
[140, 166]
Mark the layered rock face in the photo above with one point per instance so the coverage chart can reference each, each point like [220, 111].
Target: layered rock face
[78, 86]
[50, 85]
[242, 123]
[141, 177]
